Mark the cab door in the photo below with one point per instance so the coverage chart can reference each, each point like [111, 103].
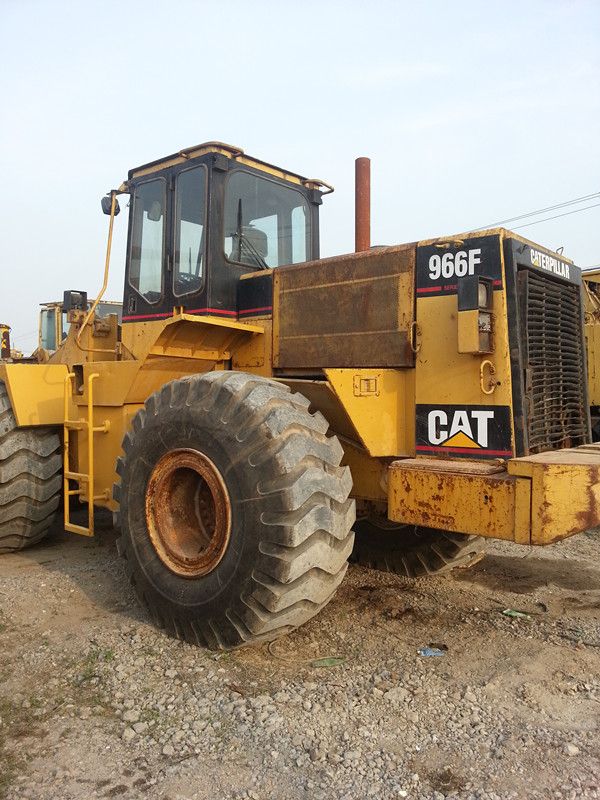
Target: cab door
[167, 244]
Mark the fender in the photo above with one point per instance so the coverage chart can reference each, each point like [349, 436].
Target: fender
[36, 392]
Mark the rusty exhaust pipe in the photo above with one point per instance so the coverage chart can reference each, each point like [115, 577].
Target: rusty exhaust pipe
[362, 204]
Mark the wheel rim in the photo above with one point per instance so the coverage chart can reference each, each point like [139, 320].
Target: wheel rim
[188, 513]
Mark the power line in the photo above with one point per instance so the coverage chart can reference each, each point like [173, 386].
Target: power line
[556, 216]
[23, 335]
[540, 211]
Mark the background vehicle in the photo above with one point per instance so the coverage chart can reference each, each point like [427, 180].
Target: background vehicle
[256, 398]
[53, 325]
[4, 341]
[7, 352]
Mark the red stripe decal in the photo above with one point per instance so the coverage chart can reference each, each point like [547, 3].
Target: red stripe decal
[147, 316]
[220, 311]
[466, 450]
[449, 288]
[256, 310]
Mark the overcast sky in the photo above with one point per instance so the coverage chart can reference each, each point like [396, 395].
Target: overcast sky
[471, 112]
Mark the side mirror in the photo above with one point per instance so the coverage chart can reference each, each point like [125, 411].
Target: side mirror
[106, 204]
[74, 301]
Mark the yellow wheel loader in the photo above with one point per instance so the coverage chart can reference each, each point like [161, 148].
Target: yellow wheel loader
[260, 415]
[53, 325]
[4, 342]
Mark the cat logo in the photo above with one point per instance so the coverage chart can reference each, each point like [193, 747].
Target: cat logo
[464, 431]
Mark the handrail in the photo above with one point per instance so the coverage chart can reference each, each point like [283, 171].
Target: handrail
[66, 450]
[113, 205]
[88, 477]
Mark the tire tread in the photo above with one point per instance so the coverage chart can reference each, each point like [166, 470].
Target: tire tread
[415, 552]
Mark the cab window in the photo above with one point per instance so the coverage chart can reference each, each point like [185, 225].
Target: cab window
[190, 220]
[48, 329]
[266, 224]
[148, 239]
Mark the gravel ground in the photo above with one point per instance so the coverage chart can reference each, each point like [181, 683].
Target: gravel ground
[94, 702]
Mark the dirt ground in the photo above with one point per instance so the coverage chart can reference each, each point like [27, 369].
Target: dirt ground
[94, 702]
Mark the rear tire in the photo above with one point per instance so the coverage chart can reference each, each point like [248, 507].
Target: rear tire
[234, 510]
[411, 551]
[30, 480]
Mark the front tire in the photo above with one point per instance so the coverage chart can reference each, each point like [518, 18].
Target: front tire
[30, 480]
[234, 510]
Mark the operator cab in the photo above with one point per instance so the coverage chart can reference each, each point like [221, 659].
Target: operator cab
[201, 218]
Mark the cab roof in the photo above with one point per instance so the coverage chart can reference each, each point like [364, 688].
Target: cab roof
[229, 151]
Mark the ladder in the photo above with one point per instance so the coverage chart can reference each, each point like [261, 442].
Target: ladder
[82, 424]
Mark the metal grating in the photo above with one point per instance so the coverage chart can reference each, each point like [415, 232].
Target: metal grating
[554, 362]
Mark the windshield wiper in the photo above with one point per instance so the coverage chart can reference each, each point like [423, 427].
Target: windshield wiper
[243, 241]
[260, 262]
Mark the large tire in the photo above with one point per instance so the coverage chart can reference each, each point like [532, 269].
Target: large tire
[413, 552]
[278, 476]
[30, 480]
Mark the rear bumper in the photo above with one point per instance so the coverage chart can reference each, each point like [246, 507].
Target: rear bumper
[532, 500]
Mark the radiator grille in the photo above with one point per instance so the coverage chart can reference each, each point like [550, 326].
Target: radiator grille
[555, 405]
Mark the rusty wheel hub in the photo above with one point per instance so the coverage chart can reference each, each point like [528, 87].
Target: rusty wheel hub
[188, 513]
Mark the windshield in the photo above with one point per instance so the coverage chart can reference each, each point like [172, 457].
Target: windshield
[266, 224]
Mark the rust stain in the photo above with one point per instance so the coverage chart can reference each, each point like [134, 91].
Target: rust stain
[588, 517]
[188, 513]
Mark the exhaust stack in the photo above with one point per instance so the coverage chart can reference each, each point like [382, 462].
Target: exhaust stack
[362, 205]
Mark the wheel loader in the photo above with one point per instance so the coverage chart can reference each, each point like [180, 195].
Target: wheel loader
[260, 415]
[4, 342]
[53, 325]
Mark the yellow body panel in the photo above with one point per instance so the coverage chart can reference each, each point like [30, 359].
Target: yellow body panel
[187, 336]
[369, 475]
[107, 448]
[255, 354]
[565, 495]
[464, 502]
[373, 408]
[379, 406]
[36, 392]
[445, 375]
